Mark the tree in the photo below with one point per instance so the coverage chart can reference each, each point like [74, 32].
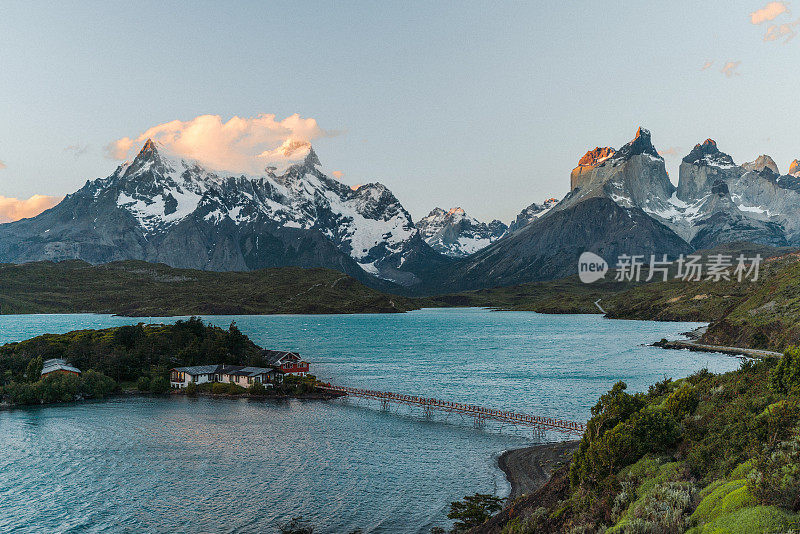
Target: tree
[34, 370]
[143, 384]
[159, 385]
[97, 385]
[191, 389]
[473, 510]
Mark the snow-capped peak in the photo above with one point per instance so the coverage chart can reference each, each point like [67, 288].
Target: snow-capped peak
[455, 233]
[707, 153]
[367, 223]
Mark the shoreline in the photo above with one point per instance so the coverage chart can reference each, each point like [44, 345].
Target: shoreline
[133, 393]
[529, 468]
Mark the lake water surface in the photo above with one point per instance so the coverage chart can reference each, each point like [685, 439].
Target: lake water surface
[201, 465]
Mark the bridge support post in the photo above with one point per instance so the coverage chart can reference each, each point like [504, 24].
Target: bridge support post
[480, 420]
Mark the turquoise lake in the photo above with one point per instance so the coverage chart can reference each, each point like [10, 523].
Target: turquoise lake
[207, 465]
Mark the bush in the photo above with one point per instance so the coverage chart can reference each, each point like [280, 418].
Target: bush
[776, 477]
[97, 385]
[683, 401]
[226, 388]
[33, 373]
[59, 387]
[257, 389]
[159, 385]
[619, 433]
[785, 377]
[191, 389]
[143, 384]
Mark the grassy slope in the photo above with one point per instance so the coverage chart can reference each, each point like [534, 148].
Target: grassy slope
[704, 480]
[145, 289]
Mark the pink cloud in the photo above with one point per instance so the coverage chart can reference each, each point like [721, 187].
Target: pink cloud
[730, 69]
[2, 165]
[670, 152]
[338, 174]
[238, 145]
[707, 65]
[780, 31]
[769, 12]
[14, 209]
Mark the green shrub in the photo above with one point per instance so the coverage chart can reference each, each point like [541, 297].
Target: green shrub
[683, 401]
[603, 452]
[21, 393]
[785, 377]
[227, 388]
[96, 385]
[257, 389]
[143, 384]
[59, 387]
[191, 389]
[33, 372]
[159, 385]
[776, 475]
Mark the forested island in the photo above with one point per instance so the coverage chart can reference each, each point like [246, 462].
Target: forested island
[131, 358]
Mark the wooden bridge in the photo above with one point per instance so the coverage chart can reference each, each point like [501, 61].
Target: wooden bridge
[479, 414]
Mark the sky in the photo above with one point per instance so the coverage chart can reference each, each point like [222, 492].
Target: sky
[482, 105]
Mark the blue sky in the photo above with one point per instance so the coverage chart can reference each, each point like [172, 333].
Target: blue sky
[487, 106]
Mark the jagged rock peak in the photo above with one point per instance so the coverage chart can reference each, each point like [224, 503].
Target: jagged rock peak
[597, 156]
[707, 153]
[531, 213]
[794, 168]
[641, 144]
[455, 233]
[761, 163]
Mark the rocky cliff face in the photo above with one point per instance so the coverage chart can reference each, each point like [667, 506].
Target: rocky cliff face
[633, 176]
[455, 234]
[761, 163]
[531, 213]
[165, 209]
[794, 169]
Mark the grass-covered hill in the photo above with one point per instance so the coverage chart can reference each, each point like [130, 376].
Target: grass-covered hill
[112, 356]
[143, 289]
[705, 454]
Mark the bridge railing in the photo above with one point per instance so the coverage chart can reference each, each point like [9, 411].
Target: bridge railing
[480, 412]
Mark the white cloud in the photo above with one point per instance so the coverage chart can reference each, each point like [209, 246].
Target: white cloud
[233, 146]
[730, 69]
[13, 209]
[769, 12]
[785, 31]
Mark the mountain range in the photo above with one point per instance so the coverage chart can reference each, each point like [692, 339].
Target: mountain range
[162, 208]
